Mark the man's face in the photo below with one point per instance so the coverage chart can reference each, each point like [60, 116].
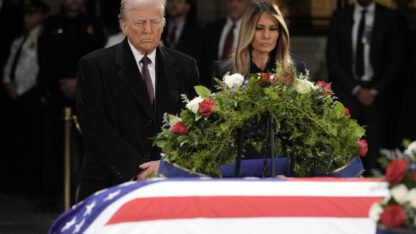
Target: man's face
[236, 8]
[177, 8]
[73, 5]
[32, 19]
[143, 27]
[365, 2]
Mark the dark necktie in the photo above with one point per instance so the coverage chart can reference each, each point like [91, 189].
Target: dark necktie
[359, 54]
[228, 44]
[146, 78]
[16, 59]
[172, 37]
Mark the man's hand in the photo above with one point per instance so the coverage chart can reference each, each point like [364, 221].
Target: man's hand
[365, 97]
[149, 168]
[68, 86]
[11, 89]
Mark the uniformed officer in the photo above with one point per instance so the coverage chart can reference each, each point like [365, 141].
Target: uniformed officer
[19, 79]
[22, 68]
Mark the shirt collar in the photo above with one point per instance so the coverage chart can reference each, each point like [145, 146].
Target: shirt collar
[230, 22]
[178, 25]
[35, 31]
[138, 56]
[370, 8]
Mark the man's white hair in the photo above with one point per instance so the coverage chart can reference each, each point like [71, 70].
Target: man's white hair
[127, 5]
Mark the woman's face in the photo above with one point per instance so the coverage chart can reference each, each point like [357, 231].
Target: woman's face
[266, 34]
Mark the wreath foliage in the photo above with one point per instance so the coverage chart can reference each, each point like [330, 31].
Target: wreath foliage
[203, 136]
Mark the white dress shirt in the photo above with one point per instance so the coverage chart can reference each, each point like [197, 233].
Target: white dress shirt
[228, 24]
[27, 67]
[152, 66]
[369, 21]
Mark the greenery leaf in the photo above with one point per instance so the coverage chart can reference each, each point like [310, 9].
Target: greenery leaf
[202, 91]
[315, 127]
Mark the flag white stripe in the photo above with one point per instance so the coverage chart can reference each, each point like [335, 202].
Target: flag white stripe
[246, 226]
[263, 188]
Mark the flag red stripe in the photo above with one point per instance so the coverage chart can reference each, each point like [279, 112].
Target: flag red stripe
[160, 208]
[337, 180]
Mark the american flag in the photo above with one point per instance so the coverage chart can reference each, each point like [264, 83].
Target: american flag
[317, 205]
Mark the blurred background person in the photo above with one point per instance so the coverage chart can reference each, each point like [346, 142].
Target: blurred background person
[220, 37]
[20, 82]
[182, 33]
[405, 127]
[364, 58]
[66, 37]
[114, 39]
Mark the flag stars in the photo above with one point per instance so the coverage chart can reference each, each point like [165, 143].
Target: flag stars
[69, 224]
[99, 192]
[89, 207]
[111, 196]
[78, 227]
[77, 205]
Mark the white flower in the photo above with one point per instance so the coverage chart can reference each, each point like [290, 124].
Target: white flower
[399, 193]
[411, 197]
[411, 150]
[375, 212]
[304, 86]
[307, 72]
[234, 80]
[193, 105]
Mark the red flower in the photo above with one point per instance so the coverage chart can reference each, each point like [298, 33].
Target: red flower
[347, 112]
[179, 128]
[206, 107]
[261, 83]
[393, 216]
[396, 171]
[268, 77]
[413, 176]
[326, 87]
[265, 79]
[287, 76]
[287, 80]
[363, 148]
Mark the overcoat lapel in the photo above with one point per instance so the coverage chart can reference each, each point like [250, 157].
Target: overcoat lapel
[167, 84]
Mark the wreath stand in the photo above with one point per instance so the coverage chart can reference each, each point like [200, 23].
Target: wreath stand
[248, 131]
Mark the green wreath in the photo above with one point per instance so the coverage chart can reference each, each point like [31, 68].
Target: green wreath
[203, 137]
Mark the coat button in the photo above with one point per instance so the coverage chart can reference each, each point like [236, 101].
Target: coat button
[149, 123]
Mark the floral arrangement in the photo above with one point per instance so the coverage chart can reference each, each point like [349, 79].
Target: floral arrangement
[323, 135]
[399, 209]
